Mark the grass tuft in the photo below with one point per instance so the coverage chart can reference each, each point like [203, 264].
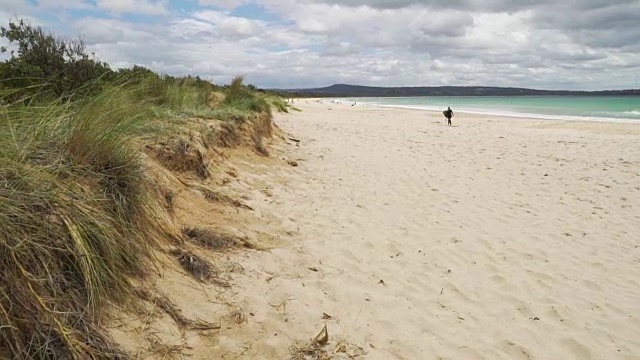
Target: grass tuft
[279, 104]
[240, 98]
[195, 265]
[212, 239]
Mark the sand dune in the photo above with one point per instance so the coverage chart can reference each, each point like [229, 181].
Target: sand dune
[494, 239]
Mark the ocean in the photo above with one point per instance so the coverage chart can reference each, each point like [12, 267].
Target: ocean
[594, 108]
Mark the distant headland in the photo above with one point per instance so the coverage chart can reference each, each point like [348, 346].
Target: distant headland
[345, 90]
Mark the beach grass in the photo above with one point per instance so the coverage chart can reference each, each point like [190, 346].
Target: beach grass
[78, 214]
[76, 219]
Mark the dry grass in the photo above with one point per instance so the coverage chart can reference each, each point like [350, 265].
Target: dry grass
[181, 155]
[164, 351]
[224, 199]
[315, 351]
[259, 145]
[215, 99]
[213, 239]
[319, 348]
[200, 268]
[209, 137]
[228, 135]
[196, 266]
[167, 306]
[168, 198]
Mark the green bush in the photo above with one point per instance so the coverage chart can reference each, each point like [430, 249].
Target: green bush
[47, 65]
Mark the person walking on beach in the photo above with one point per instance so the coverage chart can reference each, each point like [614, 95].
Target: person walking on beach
[448, 114]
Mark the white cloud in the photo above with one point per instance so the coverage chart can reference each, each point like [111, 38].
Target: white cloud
[12, 6]
[98, 31]
[64, 4]
[239, 27]
[341, 48]
[210, 16]
[225, 4]
[148, 7]
[215, 30]
[186, 29]
[543, 44]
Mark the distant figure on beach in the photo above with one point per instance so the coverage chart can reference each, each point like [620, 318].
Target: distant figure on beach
[448, 114]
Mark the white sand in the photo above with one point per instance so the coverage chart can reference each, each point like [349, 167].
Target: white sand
[497, 238]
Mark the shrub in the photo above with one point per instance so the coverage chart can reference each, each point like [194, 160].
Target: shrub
[54, 66]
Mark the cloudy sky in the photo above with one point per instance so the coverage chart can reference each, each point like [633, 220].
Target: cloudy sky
[546, 44]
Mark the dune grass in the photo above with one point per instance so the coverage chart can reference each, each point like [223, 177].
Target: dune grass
[183, 94]
[241, 98]
[75, 219]
[278, 103]
[78, 216]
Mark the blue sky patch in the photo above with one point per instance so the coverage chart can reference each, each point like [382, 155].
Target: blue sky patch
[255, 12]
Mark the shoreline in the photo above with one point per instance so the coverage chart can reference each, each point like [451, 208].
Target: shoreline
[525, 115]
[506, 114]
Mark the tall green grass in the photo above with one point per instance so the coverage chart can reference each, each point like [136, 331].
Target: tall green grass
[75, 220]
[239, 97]
[184, 94]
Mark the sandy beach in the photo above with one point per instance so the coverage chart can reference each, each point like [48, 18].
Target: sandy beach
[163, 197]
[496, 238]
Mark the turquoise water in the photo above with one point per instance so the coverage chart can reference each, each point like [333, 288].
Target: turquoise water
[603, 108]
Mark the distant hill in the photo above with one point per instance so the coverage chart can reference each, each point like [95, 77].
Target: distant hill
[344, 90]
